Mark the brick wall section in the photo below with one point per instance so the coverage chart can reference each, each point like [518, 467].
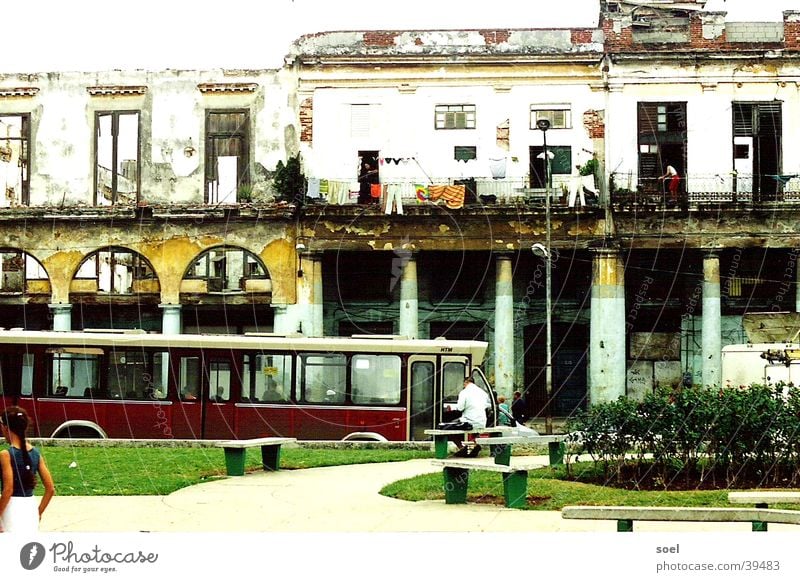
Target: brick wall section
[379, 38]
[580, 36]
[306, 120]
[594, 123]
[791, 29]
[616, 42]
[697, 38]
[495, 36]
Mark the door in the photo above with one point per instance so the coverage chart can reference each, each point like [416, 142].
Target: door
[422, 390]
[454, 370]
[219, 409]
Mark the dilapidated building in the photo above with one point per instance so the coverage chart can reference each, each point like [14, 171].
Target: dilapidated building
[146, 198]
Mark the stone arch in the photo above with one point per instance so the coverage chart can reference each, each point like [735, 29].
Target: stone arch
[227, 269]
[115, 271]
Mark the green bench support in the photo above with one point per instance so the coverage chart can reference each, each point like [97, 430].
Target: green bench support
[456, 480]
[235, 452]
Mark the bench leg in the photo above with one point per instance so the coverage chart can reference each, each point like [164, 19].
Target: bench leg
[515, 488]
[440, 446]
[501, 454]
[271, 457]
[455, 485]
[234, 462]
[624, 525]
[760, 525]
[556, 451]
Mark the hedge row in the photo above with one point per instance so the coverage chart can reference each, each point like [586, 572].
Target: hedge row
[733, 435]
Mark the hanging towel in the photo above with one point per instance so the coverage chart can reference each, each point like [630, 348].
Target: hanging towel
[422, 193]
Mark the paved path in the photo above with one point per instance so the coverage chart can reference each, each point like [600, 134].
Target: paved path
[329, 499]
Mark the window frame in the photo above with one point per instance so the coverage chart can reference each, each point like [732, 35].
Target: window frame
[469, 111]
[243, 177]
[115, 115]
[539, 111]
[24, 159]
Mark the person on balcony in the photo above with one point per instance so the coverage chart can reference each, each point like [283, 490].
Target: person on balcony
[672, 180]
[366, 179]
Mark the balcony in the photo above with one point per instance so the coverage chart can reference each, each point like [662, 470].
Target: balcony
[698, 191]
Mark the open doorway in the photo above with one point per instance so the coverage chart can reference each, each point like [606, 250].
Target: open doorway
[368, 177]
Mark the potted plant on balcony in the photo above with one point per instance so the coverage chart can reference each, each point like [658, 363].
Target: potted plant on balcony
[289, 181]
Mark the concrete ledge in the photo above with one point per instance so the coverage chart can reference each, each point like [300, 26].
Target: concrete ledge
[481, 465]
[766, 497]
[717, 514]
[188, 443]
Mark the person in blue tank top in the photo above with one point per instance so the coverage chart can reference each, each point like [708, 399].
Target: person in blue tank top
[19, 465]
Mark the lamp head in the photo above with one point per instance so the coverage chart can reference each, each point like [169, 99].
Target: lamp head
[540, 250]
[543, 124]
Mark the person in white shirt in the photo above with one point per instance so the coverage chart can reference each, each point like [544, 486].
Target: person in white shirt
[472, 403]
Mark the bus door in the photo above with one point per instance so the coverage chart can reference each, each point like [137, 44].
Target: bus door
[16, 378]
[422, 390]
[453, 371]
[479, 378]
[219, 409]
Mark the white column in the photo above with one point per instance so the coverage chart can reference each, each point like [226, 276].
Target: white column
[504, 327]
[712, 322]
[305, 315]
[607, 328]
[409, 300]
[171, 319]
[62, 316]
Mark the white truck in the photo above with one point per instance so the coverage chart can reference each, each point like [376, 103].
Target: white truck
[767, 363]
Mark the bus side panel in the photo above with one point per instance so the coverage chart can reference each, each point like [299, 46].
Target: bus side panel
[186, 419]
[336, 422]
[259, 420]
[118, 419]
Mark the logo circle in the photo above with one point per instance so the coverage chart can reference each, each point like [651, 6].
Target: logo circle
[31, 555]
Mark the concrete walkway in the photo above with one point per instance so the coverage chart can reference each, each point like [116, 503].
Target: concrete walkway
[329, 499]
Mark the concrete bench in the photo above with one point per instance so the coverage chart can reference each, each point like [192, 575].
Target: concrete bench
[235, 452]
[625, 516]
[501, 446]
[442, 436]
[762, 499]
[515, 479]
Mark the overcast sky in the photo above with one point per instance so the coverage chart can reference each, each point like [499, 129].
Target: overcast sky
[54, 35]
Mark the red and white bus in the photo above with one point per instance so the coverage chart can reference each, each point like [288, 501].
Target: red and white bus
[143, 385]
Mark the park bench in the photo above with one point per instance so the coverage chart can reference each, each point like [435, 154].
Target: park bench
[501, 446]
[441, 437]
[270, 453]
[762, 500]
[625, 516]
[456, 479]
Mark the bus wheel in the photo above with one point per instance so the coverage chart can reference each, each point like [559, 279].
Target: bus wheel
[78, 432]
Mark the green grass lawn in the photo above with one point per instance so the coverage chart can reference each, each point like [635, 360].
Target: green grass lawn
[162, 470]
[546, 491]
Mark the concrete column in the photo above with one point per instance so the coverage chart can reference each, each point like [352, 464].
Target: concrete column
[409, 300]
[285, 319]
[504, 327]
[171, 319]
[62, 316]
[306, 315]
[712, 322]
[607, 328]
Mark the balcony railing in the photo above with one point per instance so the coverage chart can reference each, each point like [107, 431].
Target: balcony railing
[696, 190]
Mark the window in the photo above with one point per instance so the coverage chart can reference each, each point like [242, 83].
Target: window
[116, 271]
[323, 378]
[74, 372]
[226, 269]
[189, 378]
[560, 163]
[267, 378]
[360, 120]
[465, 153]
[453, 380]
[137, 375]
[375, 379]
[219, 381]
[559, 116]
[15, 135]
[116, 157]
[227, 155]
[662, 140]
[455, 117]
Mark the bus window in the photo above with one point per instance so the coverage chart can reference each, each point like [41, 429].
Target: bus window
[219, 381]
[323, 378]
[73, 373]
[423, 383]
[375, 379]
[129, 374]
[189, 378]
[270, 379]
[453, 378]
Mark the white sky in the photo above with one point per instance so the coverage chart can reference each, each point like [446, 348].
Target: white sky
[54, 35]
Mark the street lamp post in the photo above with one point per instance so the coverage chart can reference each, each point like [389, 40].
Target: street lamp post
[543, 125]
